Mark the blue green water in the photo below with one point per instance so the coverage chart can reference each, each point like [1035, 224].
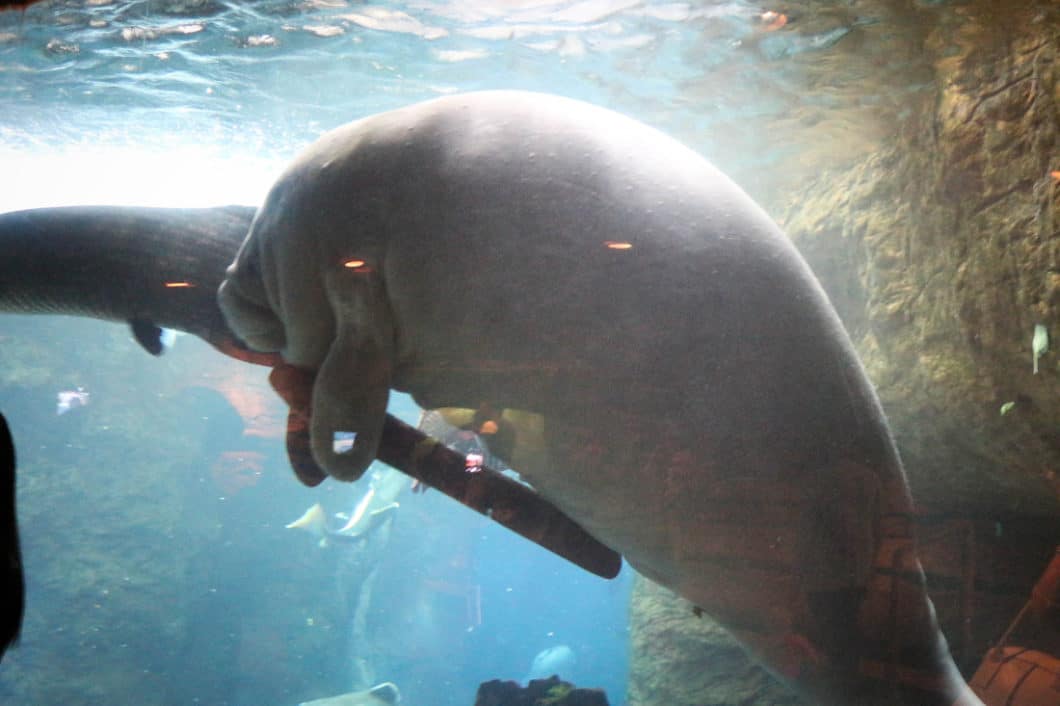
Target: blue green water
[153, 518]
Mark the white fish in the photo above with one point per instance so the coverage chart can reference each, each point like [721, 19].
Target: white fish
[385, 694]
[313, 521]
[556, 660]
[359, 510]
[369, 512]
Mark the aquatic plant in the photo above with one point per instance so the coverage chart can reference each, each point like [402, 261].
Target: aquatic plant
[556, 694]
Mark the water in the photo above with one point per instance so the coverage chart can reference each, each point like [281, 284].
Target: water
[159, 569]
[162, 88]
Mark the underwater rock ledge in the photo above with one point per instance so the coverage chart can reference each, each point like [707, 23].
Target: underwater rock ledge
[539, 692]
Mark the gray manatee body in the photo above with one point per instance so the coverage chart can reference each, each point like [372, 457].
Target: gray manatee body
[149, 267]
[706, 413]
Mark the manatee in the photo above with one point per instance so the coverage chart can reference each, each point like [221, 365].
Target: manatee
[703, 411]
[706, 413]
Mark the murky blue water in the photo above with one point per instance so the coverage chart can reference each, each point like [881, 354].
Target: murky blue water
[170, 469]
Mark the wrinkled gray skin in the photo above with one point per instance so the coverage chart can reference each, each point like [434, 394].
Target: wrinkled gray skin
[706, 413]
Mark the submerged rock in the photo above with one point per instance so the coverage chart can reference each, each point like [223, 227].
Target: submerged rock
[540, 692]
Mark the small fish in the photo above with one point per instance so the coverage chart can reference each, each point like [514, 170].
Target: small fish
[68, 400]
[313, 521]
[1039, 344]
[1007, 407]
[369, 513]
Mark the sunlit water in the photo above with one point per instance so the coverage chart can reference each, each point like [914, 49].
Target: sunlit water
[183, 103]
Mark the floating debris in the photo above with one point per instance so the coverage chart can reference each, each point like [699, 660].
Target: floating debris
[454, 55]
[384, 20]
[772, 21]
[58, 47]
[324, 30]
[260, 40]
[131, 34]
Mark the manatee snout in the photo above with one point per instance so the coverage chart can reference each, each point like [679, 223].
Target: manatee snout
[247, 311]
[333, 324]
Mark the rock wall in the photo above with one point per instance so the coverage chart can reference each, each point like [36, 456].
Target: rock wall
[941, 251]
[145, 533]
[682, 658]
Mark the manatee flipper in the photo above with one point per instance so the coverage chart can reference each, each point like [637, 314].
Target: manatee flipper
[295, 387]
[147, 335]
[352, 386]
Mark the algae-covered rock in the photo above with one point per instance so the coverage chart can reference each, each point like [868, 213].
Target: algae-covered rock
[683, 658]
[539, 692]
[940, 248]
[942, 252]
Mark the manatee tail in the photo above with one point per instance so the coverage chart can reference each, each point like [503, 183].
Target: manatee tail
[14, 586]
[150, 267]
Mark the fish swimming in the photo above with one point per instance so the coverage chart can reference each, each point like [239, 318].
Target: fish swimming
[385, 694]
[375, 507]
[557, 660]
[704, 411]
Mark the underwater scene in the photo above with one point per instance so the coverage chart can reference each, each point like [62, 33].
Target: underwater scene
[528, 352]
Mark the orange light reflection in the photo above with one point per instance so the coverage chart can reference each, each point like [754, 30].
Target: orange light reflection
[357, 265]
